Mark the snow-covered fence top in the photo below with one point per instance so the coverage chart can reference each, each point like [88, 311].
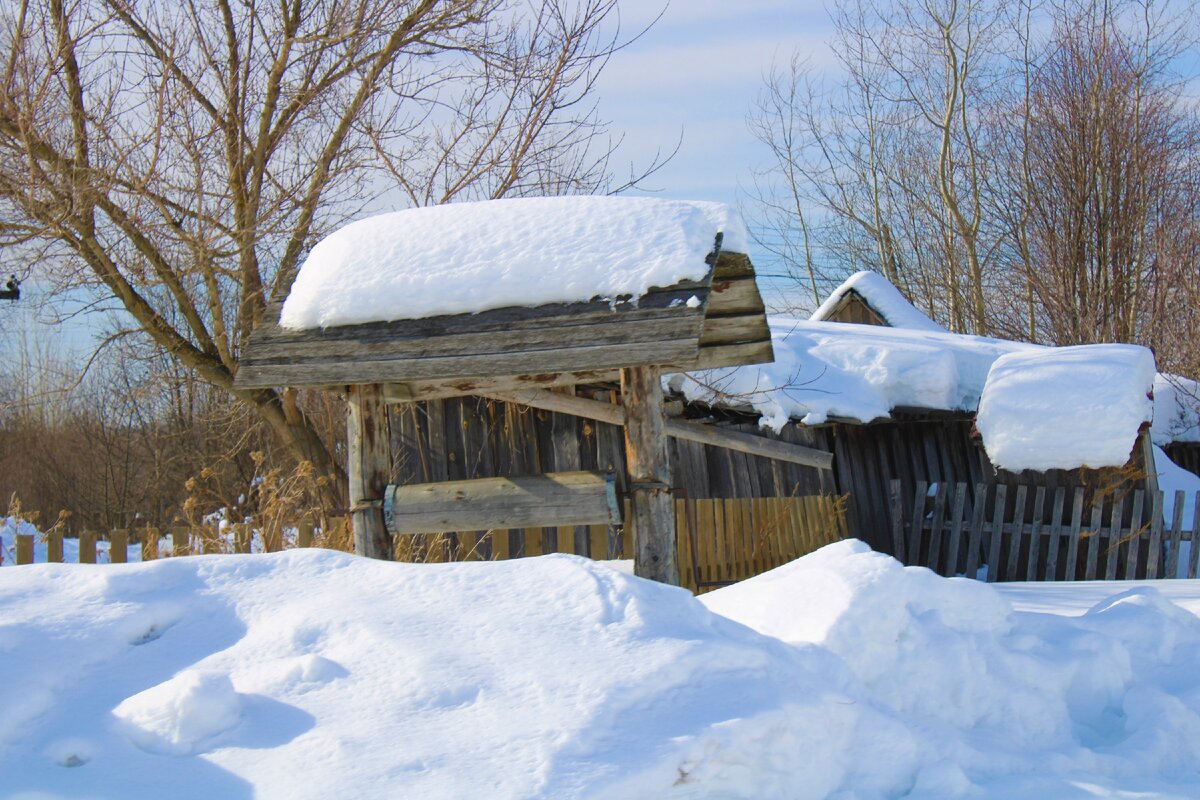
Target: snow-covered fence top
[508, 294]
[470, 257]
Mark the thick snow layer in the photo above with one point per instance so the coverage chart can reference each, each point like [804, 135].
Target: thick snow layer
[882, 295]
[1003, 704]
[828, 370]
[468, 257]
[312, 674]
[1176, 410]
[1066, 407]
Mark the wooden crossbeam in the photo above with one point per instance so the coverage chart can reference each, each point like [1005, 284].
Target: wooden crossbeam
[680, 429]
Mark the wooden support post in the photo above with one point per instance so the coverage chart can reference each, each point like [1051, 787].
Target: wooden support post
[369, 469]
[652, 511]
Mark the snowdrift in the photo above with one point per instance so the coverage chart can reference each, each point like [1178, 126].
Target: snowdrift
[317, 674]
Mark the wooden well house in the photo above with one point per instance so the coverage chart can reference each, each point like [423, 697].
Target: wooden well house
[534, 356]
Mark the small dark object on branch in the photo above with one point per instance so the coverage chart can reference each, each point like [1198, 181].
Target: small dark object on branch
[12, 289]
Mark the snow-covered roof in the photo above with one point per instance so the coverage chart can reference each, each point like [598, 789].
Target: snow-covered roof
[883, 298]
[840, 370]
[1066, 407]
[846, 371]
[471, 257]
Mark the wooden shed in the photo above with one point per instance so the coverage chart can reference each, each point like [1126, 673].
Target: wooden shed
[533, 355]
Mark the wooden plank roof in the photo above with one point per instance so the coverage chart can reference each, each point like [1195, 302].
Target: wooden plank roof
[546, 345]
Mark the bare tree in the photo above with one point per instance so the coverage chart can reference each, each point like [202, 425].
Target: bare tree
[179, 158]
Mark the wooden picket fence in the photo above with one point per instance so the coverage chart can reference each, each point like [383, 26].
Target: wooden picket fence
[184, 541]
[720, 541]
[1036, 534]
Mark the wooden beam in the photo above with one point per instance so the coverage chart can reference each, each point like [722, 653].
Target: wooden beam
[539, 501]
[679, 429]
[369, 440]
[652, 509]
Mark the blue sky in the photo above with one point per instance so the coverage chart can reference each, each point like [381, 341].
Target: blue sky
[696, 72]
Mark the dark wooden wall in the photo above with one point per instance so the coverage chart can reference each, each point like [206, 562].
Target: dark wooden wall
[853, 309]
[1185, 454]
[472, 437]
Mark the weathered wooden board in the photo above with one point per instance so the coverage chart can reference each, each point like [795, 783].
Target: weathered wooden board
[556, 499]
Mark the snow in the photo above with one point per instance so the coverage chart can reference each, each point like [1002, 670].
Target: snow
[884, 298]
[827, 370]
[470, 257]
[310, 674]
[1066, 407]
[1176, 410]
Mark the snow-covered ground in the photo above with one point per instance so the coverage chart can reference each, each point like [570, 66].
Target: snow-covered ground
[316, 674]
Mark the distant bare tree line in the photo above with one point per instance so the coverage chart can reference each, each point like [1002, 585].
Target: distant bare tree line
[1023, 169]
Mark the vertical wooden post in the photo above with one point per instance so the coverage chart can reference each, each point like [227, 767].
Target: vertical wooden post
[652, 512]
[54, 550]
[304, 532]
[118, 546]
[149, 544]
[370, 464]
[180, 541]
[24, 548]
[242, 535]
[87, 547]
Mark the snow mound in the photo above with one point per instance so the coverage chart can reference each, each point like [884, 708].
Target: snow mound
[1005, 704]
[469, 257]
[175, 717]
[883, 296]
[825, 370]
[312, 674]
[1066, 407]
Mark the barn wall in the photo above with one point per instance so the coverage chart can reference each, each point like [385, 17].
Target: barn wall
[1185, 454]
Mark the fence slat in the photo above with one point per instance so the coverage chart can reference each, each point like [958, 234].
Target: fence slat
[1194, 554]
[935, 527]
[1154, 550]
[1114, 538]
[1194, 545]
[956, 526]
[1094, 533]
[87, 547]
[118, 546]
[1071, 568]
[997, 534]
[180, 546]
[1133, 546]
[1035, 542]
[1176, 535]
[916, 532]
[897, 508]
[501, 544]
[1055, 541]
[24, 548]
[1014, 542]
[149, 544]
[975, 538]
[54, 547]
[304, 532]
